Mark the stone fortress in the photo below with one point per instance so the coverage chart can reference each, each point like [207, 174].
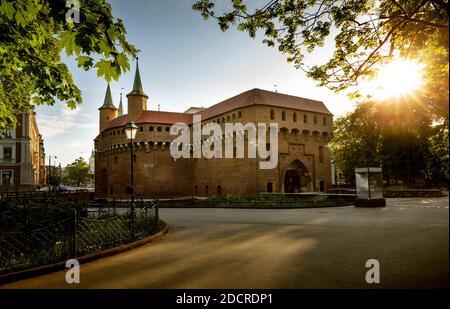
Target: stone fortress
[305, 127]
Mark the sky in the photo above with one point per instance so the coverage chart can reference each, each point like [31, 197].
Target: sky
[184, 61]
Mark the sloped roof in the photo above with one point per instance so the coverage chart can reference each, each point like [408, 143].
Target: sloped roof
[247, 98]
[164, 117]
[263, 97]
[153, 117]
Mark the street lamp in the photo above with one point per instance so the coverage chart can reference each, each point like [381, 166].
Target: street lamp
[50, 170]
[130, 131]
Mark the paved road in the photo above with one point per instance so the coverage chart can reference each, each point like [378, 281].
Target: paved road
[293, 248]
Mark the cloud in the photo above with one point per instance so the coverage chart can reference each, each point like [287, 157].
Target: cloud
[75, 144]
[66, 120]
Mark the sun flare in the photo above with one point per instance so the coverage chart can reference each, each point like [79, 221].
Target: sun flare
[397, 78]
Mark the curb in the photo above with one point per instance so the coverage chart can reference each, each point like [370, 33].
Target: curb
[261, 207]
[46, 269]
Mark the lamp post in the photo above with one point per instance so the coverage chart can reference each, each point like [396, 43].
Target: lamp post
[50, 170]
[130, 131]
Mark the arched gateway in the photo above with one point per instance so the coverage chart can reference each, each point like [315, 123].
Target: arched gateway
[296, 178]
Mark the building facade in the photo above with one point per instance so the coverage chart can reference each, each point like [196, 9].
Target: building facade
[22, 156]
[303, 165]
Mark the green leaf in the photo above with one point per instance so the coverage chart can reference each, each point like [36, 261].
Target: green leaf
[7, 9]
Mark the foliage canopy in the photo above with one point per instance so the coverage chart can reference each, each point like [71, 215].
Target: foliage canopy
[33, 33]
[396, 135]
[367, 35]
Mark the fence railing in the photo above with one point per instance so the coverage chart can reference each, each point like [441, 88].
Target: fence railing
[85, 233]
[44, 195]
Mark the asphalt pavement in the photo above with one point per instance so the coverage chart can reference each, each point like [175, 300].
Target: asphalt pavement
[281, 248]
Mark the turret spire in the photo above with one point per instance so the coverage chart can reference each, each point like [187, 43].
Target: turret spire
[137, 85]
[108, 102]
[120, 104]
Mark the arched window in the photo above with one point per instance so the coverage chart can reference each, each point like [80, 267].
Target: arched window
[305, 118]
[218, 120]
[239, 114]
[228, 118]
[159, 129]
[283, 116]
[320, 154]
[294, 117]
[324, 121]
[272, 114]
[315, 119]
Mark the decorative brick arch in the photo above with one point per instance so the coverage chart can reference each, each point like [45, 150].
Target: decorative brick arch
[304, 170]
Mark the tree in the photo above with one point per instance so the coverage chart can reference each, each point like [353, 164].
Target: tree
[396, 135]
[54, 178]
[78, 171]
[368, 34]
[33, 33]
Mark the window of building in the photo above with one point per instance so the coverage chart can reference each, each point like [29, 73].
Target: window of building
[167, 129]
[159, 129]
[324, 121]
[7, 153]
[223, 119]
[150, 128]
[114, 132]
[239, 114]
[228, 118]
[123, 131]
[141, 128]
[294, 117]
[305, 118]
[218, 120]
[315, 119]
[272, 114]
[206, 189]
[219, 190]
[321, 154]
[269, 187]
[283, 115]
[7, 178]
[6, 134]
[234, 116]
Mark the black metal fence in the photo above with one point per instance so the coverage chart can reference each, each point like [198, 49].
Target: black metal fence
[86, 232]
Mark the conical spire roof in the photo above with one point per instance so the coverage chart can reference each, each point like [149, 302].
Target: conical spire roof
[120, 113]
[137, 85]
[108, 102]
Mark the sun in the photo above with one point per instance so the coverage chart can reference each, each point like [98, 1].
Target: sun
[397, 78]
